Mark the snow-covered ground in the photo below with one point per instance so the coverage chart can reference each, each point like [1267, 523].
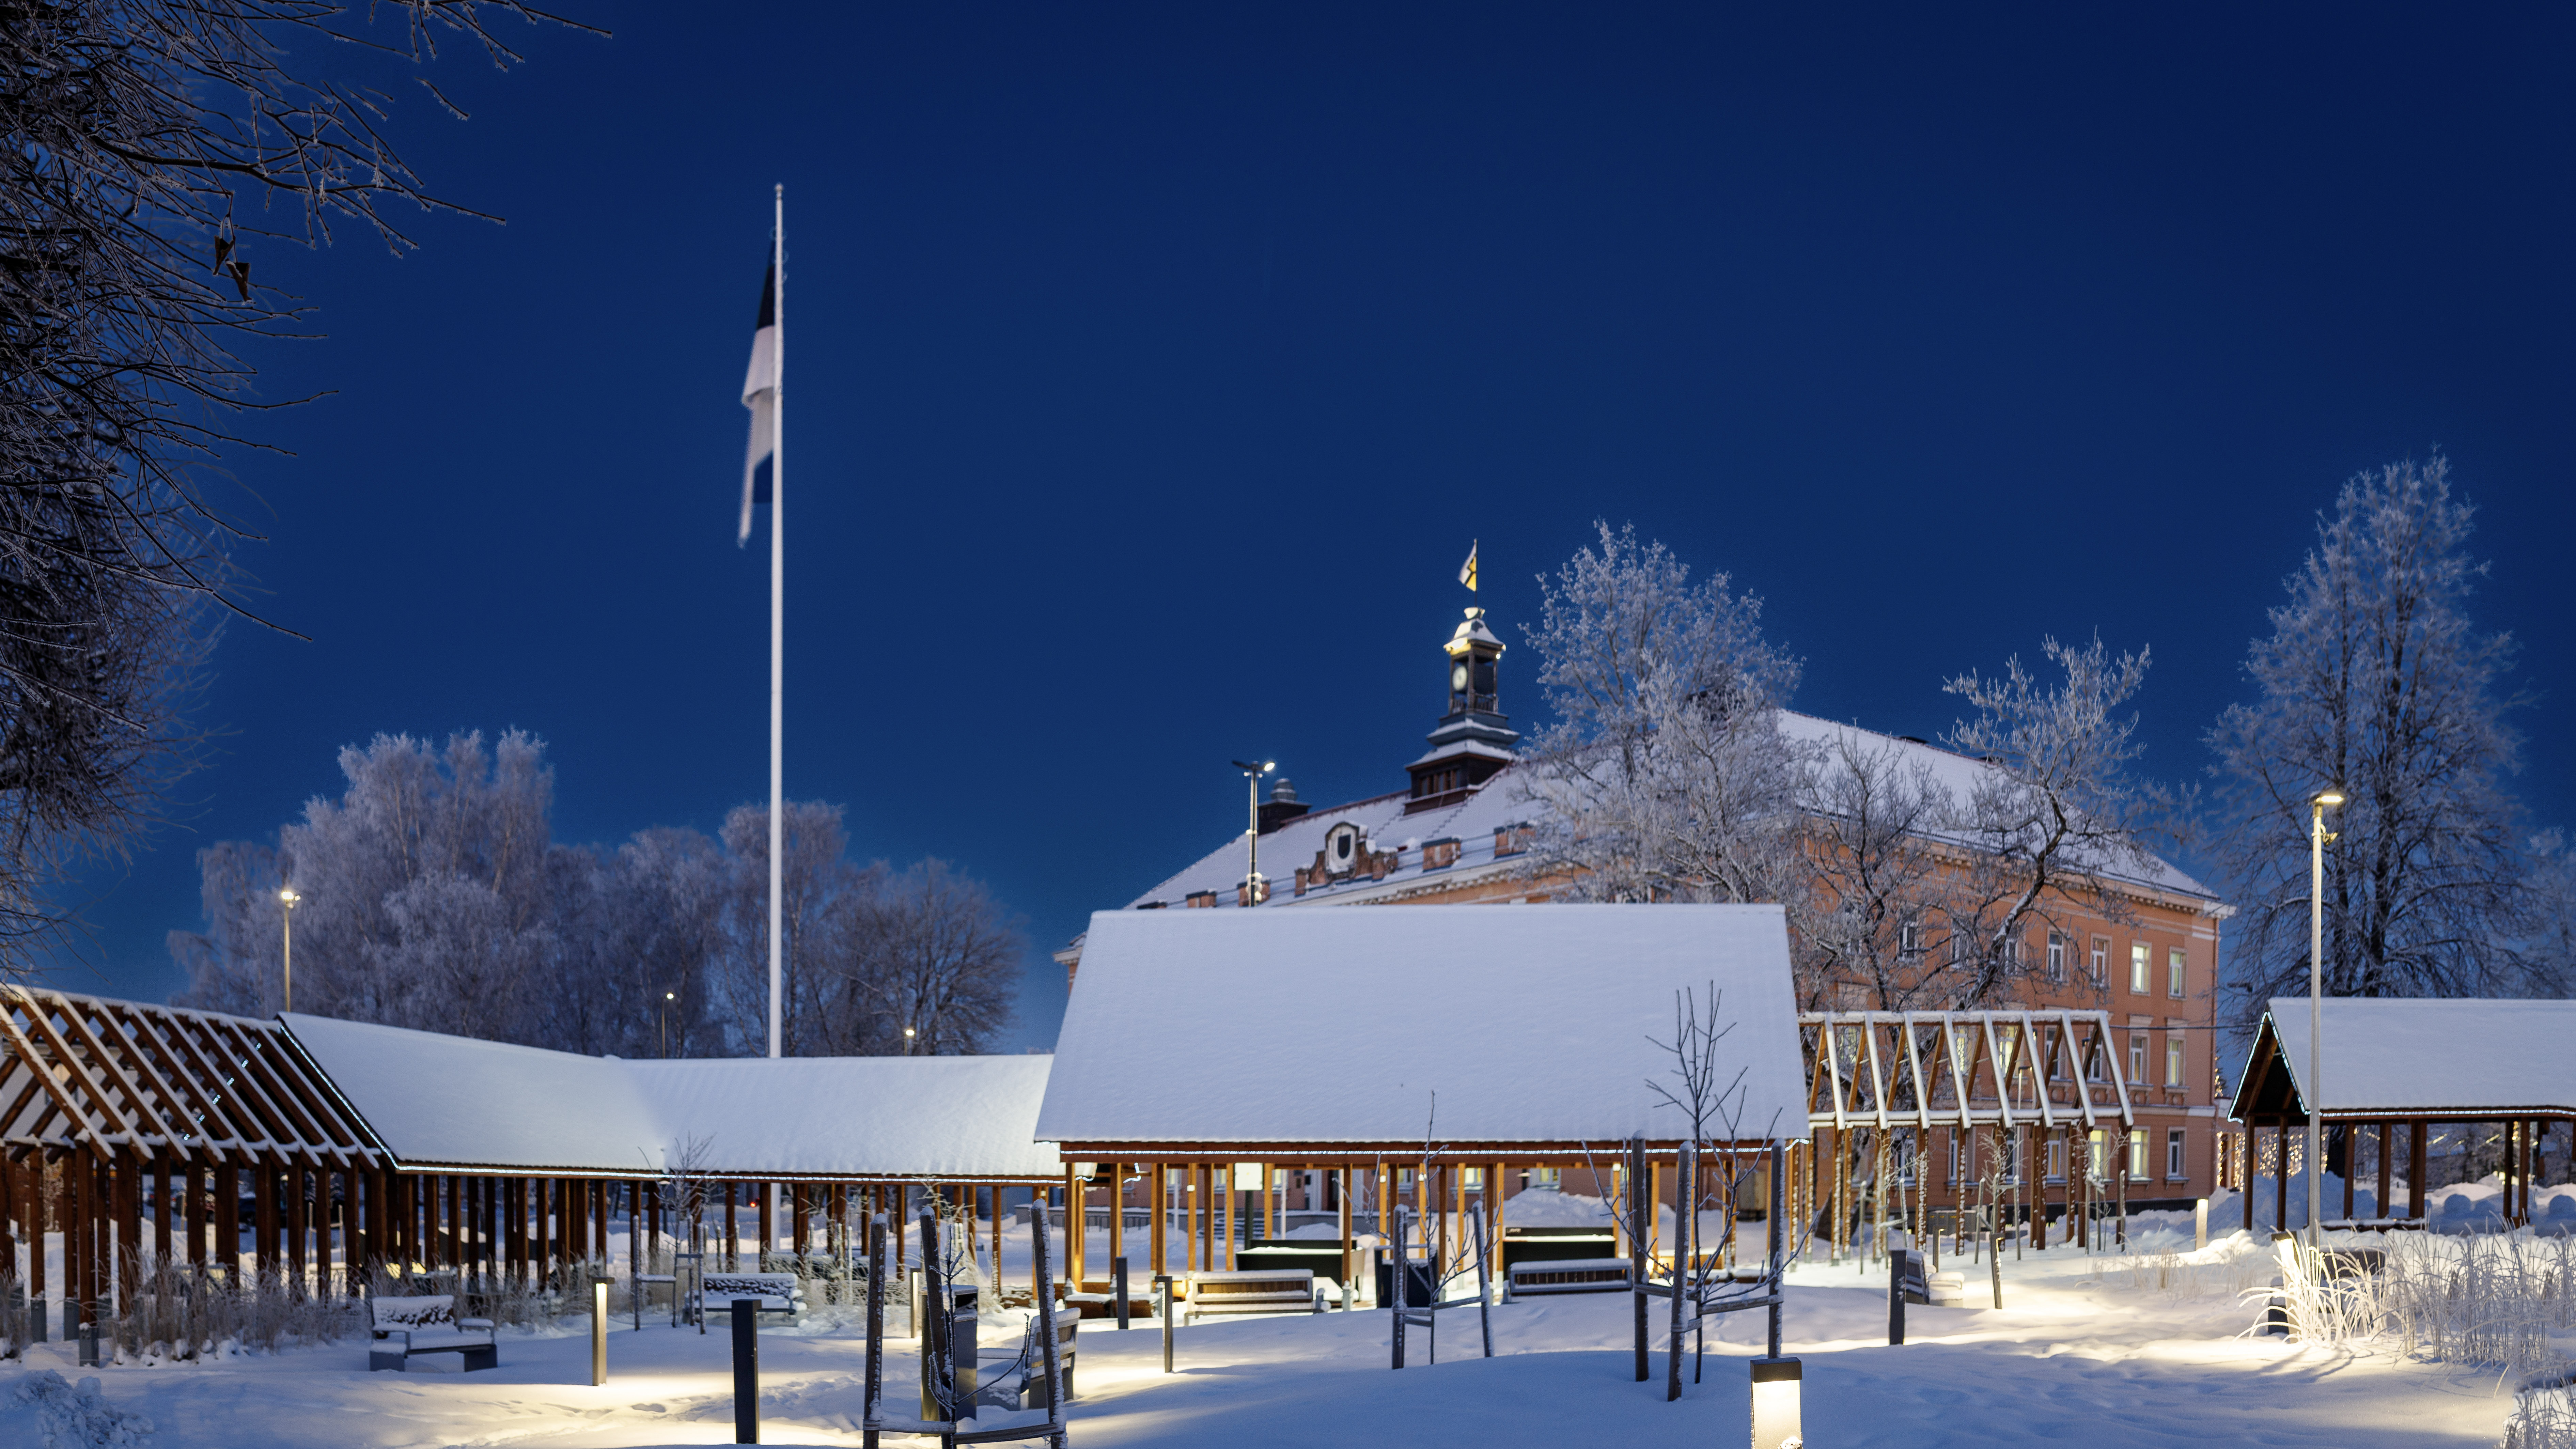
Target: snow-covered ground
[2145, 1347]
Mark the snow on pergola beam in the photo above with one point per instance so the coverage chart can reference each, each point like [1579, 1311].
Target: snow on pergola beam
[84, 1073]
[1926, 1069]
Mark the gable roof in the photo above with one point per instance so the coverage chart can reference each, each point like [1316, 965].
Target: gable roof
[2385, 1058]
[1334, 1030]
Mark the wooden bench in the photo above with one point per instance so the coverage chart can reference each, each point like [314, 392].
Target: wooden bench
[776, 1292]
[397, 1328]
[1261, 1290]
[1570, 1275]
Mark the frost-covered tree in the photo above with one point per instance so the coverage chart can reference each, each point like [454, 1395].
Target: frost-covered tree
[2055, 817]
[430, 894]
[433, 896]
[2374, 679]
[1664, 772]
[1873, 829]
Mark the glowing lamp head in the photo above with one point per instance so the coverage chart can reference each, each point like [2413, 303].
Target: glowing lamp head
[2329, 796]
[289, 896]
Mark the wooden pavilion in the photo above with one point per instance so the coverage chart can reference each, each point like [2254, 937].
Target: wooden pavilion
[1430, 1053]
[2395, 1068]
[135, 1130]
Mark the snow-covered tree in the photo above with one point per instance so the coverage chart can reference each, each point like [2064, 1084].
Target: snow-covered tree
[1875, 890]
[2375, 680]
[1664, 772]
[432, 896]
[2052, 820]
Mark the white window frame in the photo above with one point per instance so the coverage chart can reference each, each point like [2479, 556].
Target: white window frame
[2174, 1054]
[2101, 963]
[2137, 968]
[2176, 967]
[2137, 1154]
[2177, 1155]
[2056, 956]
[2138, 1058]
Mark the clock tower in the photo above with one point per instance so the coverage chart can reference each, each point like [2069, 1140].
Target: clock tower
[1474, 739]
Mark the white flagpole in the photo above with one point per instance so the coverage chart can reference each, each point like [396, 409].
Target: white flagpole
[777, 606]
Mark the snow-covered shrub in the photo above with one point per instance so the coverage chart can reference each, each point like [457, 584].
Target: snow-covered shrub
[67, 1417]
[15, 1332]
[2543, 1418]
[2482, 1298]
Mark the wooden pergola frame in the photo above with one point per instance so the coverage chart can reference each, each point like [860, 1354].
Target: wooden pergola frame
[100, 1098]
[1999, 1070]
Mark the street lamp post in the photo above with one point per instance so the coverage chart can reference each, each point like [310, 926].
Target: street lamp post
[287, 951]
[2317, 838]
[907, 1041]
[667, 998]
[1252, 774]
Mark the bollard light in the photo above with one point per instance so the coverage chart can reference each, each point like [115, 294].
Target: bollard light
[1775, 1404]
[2200, 1225]
[598, 1332]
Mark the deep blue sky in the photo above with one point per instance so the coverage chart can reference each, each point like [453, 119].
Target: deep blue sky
[1151, 369]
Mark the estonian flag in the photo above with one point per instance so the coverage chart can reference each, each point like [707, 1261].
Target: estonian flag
[1466, 571]
[760, 394]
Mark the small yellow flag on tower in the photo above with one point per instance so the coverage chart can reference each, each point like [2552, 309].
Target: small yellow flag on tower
[1467, 570]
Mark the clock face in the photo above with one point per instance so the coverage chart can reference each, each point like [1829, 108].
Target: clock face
[1458, 678]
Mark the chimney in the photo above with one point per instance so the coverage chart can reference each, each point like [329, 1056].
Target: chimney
[1281, 807]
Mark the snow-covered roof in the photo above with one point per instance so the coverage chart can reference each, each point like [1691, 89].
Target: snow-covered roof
[2417, 1057]
[449, 1101]
[1337, 1027]
[934, 1117]
[1502, 800]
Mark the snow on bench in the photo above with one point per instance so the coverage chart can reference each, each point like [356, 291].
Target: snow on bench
[776, 1292]
[397, 1328]
[1570, 1275]
[1259, 1290]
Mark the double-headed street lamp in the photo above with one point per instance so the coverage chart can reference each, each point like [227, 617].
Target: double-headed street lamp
[288, 898]
[1252, 774]
[2317, 838]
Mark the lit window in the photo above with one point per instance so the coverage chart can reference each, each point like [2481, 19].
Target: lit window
[2173, 973]
[2137, 968]
[2138, 1155]
[1546, 1179]
[2173, 1059]
[2056, 1161]
[2056, 957]
[1475, 1179]
[2174, 1154]
[2097, 1153]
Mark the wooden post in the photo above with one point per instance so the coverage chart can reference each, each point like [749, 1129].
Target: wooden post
[2350, 1133]
[1117, 1213]
[1496, 1194]
[2415, 1170]
[2281, 1176]
[2379, 1139]
[1342, 1184]
[1229, 1207]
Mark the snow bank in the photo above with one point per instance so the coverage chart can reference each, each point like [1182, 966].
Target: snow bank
[65, 1417]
